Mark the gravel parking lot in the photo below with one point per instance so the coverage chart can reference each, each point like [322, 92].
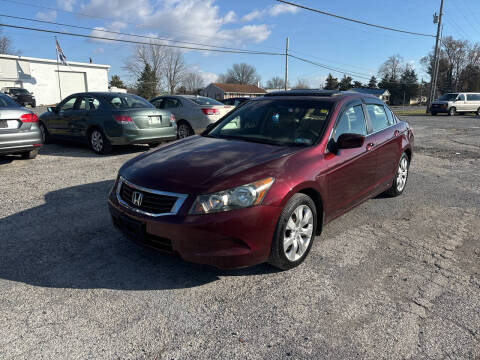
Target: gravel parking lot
[394, 278]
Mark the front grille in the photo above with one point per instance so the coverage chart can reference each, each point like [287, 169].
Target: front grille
[151, 203]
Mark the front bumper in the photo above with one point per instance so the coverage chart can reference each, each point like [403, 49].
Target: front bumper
[439, 108]
[19, 141]
[231, 239]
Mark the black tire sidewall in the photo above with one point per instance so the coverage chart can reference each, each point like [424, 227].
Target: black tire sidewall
[277, 254]
[452, 111]
[187, 127]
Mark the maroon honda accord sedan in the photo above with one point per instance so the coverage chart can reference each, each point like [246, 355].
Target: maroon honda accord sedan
[261, 182]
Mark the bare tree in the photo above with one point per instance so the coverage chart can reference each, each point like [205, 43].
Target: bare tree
[151, 55]
[241, 74]
[301, 84]
[391, 68]
[193, 82]
[275, 83]
[173, 68]
[6, 45]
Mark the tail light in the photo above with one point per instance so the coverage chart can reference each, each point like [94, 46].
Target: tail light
[29, 118]
[173, 121]
[122, 119]
[210, 111]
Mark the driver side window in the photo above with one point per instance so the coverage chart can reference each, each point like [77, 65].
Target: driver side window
[351, 122]
[69, 104]
[461, 97]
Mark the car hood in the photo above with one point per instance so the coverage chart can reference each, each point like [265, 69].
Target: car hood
[198, 164]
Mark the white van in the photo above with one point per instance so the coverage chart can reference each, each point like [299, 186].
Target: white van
[453, 103]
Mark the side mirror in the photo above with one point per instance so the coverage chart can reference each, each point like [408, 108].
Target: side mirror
[350, 141]
[52, 109]
[209, 127]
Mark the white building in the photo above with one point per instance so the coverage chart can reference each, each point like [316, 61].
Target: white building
[40, 76]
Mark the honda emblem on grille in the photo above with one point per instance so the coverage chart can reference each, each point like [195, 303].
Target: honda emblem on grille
[137, 198]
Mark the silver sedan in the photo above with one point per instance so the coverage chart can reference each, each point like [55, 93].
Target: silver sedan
[193, 113]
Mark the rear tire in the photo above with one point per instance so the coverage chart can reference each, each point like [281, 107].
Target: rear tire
[295, 232]
[184, 130]
[32, 154]
[401, 177]
[452, 111]
[99, 142]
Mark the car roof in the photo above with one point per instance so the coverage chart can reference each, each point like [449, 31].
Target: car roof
[317, 94]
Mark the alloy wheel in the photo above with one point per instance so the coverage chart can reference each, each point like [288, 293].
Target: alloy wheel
[298, 233]
[96, 139]
[402, 174]
[183, 131]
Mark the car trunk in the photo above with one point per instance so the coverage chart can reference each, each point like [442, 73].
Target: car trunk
[10, 120]
[217, 110]
[148, 118]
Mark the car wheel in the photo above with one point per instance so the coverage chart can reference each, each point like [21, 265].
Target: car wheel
[401, 176]
[452, 111]
[294, 234]
[184, 130]
[153, 145]
[32, 154]
[46, 138]
[99, 142]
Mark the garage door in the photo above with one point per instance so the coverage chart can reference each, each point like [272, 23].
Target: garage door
[72, 82]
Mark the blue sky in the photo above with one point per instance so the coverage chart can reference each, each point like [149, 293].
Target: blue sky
[248, 24]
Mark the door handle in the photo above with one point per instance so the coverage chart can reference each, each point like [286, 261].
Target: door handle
[370, 146]
[396, 133]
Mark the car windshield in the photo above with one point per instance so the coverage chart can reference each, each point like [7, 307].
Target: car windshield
[205, 101]
[277, 122]
[128, 101]
[448, 97]
[6, 102]
[19, 91]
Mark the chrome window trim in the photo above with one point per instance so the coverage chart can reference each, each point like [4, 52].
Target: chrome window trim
[176, 207]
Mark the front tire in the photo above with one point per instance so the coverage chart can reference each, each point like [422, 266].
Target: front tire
[401, 177]
[452, 111]
[478, 112]
[294, 234]
[99, 142]
[46, 138]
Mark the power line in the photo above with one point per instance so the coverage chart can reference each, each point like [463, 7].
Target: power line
[140, 42]
[121, 33]
[354, 20]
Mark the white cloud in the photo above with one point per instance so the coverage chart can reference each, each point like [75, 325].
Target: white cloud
[194, 20]
[66, 4]
[278, 9]
[273, 11]
[208, 77]
[47, 15]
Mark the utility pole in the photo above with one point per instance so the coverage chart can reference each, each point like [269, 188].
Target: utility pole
[433, 78]
[286, 65]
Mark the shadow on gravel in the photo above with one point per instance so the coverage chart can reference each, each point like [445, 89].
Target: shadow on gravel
[69, 242]
[73, 149]
[7, 159]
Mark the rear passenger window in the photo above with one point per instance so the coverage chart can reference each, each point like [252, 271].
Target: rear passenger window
[473, 97]
[378, 117]
[390, 116]
[351, 122]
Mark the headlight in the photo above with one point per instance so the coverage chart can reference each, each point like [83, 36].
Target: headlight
[236, 198]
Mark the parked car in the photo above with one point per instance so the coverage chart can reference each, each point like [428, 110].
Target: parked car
[19, 131]
[106, 119]
[258, 185]
[193, 113]
[20, 95]
[453, 103]
[235, 101]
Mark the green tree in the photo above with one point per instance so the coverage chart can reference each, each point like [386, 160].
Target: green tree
[373, 82]
[409, 83]
[147, 83]
[331, 83]
[357, 84]
[117, 82]
[345, 83]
